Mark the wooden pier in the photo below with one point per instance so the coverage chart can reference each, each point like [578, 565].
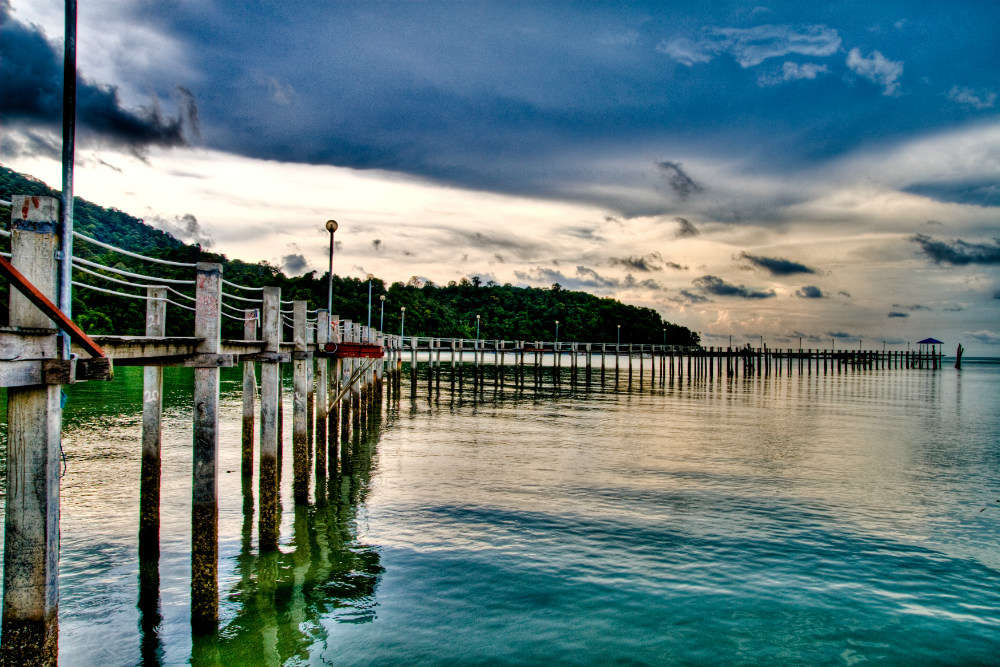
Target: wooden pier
[342, 374]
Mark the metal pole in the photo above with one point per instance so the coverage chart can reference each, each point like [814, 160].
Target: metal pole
[331, 226]
[381, 314]
[68, 158]
[369, 301]
[402, 324]
[557, 332]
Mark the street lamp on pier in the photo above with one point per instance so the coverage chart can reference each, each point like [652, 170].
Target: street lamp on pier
[402, 323]
[557, 332]
[618, 341]
[381, 314]
[331, 226]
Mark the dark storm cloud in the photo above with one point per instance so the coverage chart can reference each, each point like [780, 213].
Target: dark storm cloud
[778, 266]
[958, 252]
[977, 193]
[184, 227]
[894, 313]
[840, 335]
[719, 287]
[809, 292]
[678, 180]
[294, 263]
[652, 261]
[31, 93]
[911, 307]
[585, 278]
[685, 229]
[492, 241]
[689, 297]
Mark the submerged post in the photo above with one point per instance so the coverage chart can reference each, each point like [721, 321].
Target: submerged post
[34, 414]
[270, 332]
[152, 434]
[300, 417]
[322, 397]
[205, 470]
[250, 321]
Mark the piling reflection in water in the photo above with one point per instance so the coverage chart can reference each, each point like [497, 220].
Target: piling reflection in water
[276, 611]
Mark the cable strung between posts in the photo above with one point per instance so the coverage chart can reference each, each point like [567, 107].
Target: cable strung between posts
[4, 202]
[226, 295]
[139, 285]
[233, 317]
[4, 232]
[189, 265]
[242, 287]
[131, 296]
[233, 308]
[129, 274]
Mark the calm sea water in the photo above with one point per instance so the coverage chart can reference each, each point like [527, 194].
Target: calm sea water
[804, 519]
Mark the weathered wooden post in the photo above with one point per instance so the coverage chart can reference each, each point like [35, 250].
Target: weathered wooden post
[333, 418]
[322, 399]
[311, 389]
[205, 470]
[251, 321]
[152, 437]
[300, 417]
[34, 414]
[270, 380]
[347, 368]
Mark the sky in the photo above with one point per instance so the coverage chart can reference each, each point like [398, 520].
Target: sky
[771, 169]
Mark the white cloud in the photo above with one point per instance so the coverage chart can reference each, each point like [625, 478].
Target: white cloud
[686, 51]
[984, 336]
[792, 72]
[982, 99]
[877, 68]
[752, 46]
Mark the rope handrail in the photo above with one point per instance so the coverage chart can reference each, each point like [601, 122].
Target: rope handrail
[129, 274]
[4, 232]
[131, 296]
[129, 253]
[238, 319]
[239, 298]
[242, 287]
[241, 311]
[139, 285]
[4, 202]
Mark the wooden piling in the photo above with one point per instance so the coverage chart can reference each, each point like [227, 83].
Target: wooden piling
[152, 437]
[205, 470]
[322, 400]
[34, 414]
[270, 380]
[300, 417]
[250, 326]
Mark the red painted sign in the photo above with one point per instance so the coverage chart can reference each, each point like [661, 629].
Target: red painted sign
[354, 350]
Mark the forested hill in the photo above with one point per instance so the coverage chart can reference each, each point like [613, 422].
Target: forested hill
[506, 311]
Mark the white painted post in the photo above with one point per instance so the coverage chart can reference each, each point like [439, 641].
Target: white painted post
[205, 470]
[300, 417]
[269, 396]
[250, 325]
[152, 433]
[34, 414]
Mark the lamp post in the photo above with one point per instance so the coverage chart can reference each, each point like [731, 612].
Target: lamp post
[664, 335]
[402, 322]
[370, 301]
[477, 331]
[331, 226]
[618, 341]
[381, 313]
[557, 332]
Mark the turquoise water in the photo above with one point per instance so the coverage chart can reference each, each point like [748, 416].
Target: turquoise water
[804, 519]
